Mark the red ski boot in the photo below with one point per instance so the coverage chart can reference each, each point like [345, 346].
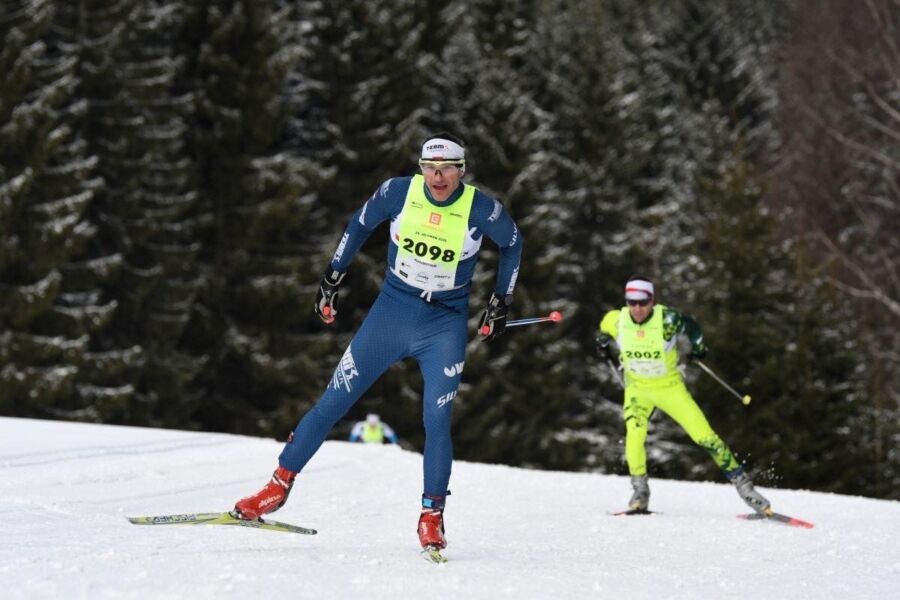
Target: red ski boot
[267, 500]
[431, 529]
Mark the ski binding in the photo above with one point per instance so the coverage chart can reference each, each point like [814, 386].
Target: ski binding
[433, 554]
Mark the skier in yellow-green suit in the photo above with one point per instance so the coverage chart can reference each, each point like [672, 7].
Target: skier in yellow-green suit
[642, 338]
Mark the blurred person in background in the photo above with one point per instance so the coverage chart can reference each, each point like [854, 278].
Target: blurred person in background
[373, 431]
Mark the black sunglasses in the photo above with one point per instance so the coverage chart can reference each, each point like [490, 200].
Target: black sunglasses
[638, 302]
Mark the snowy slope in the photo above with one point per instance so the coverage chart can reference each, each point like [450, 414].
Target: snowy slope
[65, 489]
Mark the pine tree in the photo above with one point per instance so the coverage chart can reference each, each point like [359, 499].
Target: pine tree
[155, 178]
[590, 205]
[133, 126]
[838, 173]
[52, 299]
[777, 333]
[255, 205]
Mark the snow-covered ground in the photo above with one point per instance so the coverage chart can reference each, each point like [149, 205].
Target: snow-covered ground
[66, 488]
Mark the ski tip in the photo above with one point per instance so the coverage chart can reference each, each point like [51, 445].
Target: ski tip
[634, 511]
[778, 518]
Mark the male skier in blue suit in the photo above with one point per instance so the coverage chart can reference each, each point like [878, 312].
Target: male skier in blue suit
[437, 225]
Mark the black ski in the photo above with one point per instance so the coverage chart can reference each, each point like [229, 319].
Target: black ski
[634, 511]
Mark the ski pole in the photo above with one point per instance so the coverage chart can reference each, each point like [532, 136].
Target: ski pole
[554, 316]
[745, 398]
[615, 372]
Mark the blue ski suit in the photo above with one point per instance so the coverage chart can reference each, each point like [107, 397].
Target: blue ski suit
[406, 321]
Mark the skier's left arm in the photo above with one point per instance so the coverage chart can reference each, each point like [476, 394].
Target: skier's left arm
[389, 434]
[495, 221]
[675, 322]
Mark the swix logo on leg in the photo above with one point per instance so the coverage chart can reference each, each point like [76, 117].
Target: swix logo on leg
[345, 372]
[454, 370]
[446, 398]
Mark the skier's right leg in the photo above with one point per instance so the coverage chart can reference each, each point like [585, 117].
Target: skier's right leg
[637, 419]
[379, 343]
[636, 414]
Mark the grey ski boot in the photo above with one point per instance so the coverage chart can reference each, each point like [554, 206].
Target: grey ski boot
[748, 493]
[641, 496]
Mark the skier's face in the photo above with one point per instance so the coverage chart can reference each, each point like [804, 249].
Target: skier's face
[640, 309]
[442, 178]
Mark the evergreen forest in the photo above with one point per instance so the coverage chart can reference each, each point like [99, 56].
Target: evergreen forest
[175, 177]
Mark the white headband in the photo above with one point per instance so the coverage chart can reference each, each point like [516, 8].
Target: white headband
[441, 149]
[638, 289]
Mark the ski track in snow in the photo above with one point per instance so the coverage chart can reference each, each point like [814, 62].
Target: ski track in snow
[66, 488]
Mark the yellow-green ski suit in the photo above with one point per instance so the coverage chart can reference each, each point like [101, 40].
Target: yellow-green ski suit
[649, 359]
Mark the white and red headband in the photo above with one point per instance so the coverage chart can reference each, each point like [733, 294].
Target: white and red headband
[638, 289]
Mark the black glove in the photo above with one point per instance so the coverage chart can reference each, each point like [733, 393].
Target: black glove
[608, 348]
[699, 351]
[327, 296]
[605, 346]
[493, 319]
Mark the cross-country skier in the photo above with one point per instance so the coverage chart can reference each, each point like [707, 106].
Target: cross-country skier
[373, 431]
[642, 337]
[437, 225]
